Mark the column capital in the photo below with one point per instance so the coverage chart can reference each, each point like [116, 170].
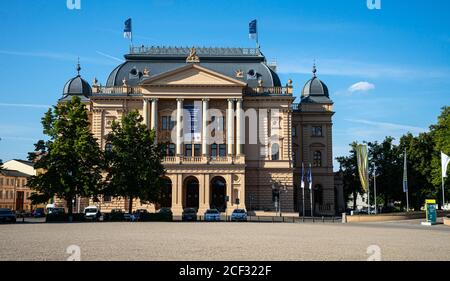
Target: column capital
[206, 99]
[231, 100]
[180, 99]
[154, 99]
[240, 100]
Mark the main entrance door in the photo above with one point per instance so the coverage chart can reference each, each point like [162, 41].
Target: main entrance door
[218, 194]
[191, 187]
[20, 198]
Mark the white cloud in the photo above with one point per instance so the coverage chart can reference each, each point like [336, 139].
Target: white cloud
[368, 70]
[25, 105]
[361, 87]
[373, 130]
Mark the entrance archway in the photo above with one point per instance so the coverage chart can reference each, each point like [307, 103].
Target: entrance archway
[218, 194]
[166, 193]
[191, 193]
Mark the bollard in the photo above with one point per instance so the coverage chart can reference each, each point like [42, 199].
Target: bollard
[344, 218]
[323, 219]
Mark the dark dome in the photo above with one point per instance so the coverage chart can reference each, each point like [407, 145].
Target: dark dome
[315, 87]
[77, 86]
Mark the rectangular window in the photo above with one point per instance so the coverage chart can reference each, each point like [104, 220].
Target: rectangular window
[1, 181]
[197, 150]
[171, 123]
[7, 182]
[106, 198]
[317, 131]
[214, 151]
[222, 150]
[171, 151]
[294, 131]
[164, 123]
[188, 150]
[1, 194]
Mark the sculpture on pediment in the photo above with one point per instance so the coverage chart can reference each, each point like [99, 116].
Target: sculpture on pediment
[239, 73]
[193, 57]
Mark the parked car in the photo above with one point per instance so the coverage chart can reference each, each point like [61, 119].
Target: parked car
[39, 213]
[7, 216]
[138, 213]
[130, 217]
[189, 214]
[57, 210]
[92, 213]
[212, 215]
[165, 211]
[239, 215]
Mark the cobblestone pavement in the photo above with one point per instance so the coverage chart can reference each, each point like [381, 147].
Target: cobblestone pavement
[225, 241]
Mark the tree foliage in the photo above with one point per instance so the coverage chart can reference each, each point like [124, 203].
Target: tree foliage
[424, 165]
[349, 168]
[70, 160]
[134, 161]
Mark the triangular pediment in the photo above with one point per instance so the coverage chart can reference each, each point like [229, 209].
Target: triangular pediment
[192, 75]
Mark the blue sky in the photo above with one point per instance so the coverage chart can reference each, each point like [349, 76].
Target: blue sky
[396, 58]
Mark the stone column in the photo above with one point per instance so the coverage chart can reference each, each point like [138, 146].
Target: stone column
[154, 120]
[205, 135]
[230, 127]
[179, 125]
[145, 112]
[239, 127]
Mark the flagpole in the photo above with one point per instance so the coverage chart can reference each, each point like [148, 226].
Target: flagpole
[405, 182]
[302, 185]
[311, 191]
[443, 194]
[303, 191]
[375, 187]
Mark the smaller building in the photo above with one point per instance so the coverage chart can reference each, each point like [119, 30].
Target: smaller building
[24, 166]
[14, 193]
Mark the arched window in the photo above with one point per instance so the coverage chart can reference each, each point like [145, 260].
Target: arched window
[317, 159]
[275, 152]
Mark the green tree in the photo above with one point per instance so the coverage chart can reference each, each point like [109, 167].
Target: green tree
[441, 136]
[134, 161]
[420, 153]
[388, 161]
[70, 159]
[351, 181]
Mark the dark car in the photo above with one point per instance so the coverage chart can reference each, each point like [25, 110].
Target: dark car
[189, 214]
[138, 214]
[38, 213]
[7, 216]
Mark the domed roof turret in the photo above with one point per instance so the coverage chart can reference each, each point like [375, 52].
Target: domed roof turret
[315, 87]
[77, 86]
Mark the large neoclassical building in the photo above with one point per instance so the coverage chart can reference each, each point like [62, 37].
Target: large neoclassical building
[233, 135]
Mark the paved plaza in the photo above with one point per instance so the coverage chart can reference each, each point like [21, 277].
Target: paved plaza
[405, 240]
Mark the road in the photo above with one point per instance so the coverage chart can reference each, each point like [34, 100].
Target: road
[226, 241]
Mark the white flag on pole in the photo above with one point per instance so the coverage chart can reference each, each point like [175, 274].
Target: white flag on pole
[445, 160]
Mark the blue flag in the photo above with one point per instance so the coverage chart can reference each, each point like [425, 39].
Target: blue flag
[127, 31]
[253, 30]
[310, 179]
